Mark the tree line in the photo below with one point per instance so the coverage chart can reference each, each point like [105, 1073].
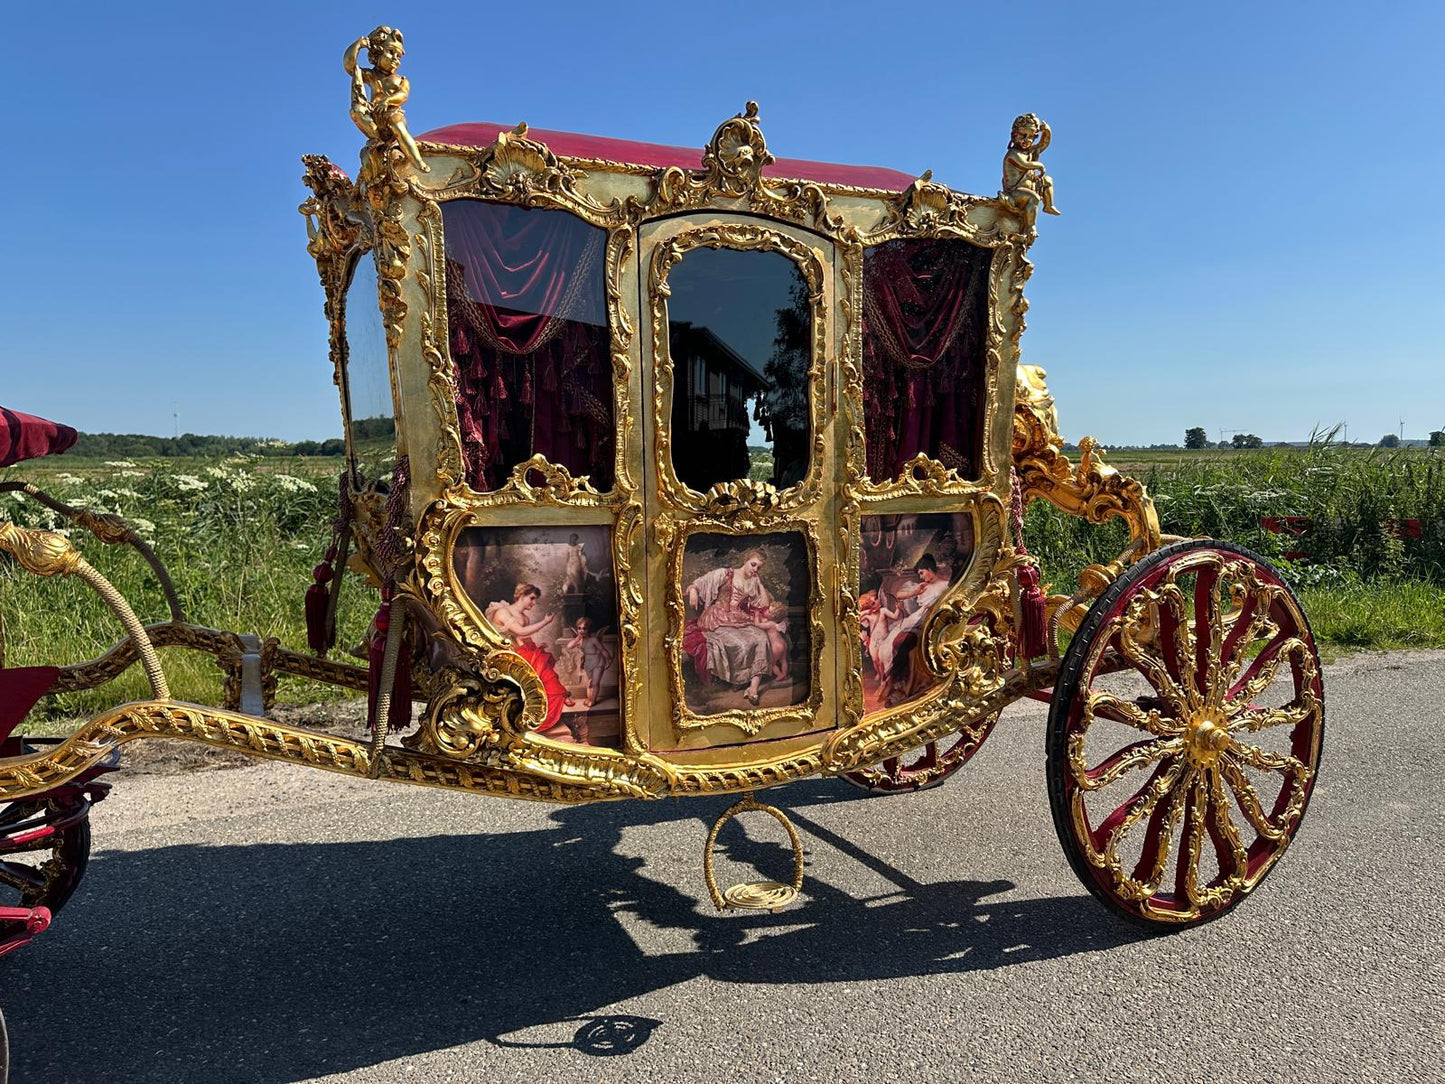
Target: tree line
[144, 446]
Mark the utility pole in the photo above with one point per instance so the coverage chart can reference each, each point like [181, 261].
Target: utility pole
[176, 416]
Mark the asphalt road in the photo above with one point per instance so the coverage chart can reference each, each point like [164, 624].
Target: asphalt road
[270, 923]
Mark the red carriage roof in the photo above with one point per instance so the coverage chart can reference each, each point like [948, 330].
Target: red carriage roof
[575, 145]
[24, 436]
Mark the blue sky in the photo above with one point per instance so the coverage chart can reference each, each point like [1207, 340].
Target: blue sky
[1252, 222]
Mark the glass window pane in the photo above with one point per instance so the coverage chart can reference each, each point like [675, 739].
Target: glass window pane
[527, 319]
[925, 337]
[740, 334]
[368, 376]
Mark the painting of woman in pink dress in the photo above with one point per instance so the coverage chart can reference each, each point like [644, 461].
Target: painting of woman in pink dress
[737, 636]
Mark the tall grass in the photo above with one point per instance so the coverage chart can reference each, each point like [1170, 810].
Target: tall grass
[239, 536]
[1352, 496]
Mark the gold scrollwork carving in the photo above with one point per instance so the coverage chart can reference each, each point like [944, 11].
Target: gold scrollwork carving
[732, 168]
[1093, 490]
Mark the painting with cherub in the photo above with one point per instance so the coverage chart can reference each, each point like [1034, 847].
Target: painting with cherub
[551, 591]
[907, 563]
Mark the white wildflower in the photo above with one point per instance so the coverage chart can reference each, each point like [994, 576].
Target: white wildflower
[143, 527]
[119, 463]
[132, 474]
[217, 472]
[189, 483]
[69, 479]
[289, 483]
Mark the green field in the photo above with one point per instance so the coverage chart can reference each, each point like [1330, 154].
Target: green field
[241, 534]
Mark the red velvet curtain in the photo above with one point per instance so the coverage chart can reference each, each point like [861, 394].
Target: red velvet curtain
[527, 319]
[925, 323]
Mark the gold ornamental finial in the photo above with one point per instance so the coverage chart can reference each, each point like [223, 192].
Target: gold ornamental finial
[378, 92]
[1026, 186]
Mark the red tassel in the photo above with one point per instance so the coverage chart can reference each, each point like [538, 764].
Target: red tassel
[320, 637]
[1033, 636]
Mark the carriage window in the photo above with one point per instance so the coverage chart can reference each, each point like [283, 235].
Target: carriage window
[925, 334]
[740, 333]
[527, 319]
[368, 377]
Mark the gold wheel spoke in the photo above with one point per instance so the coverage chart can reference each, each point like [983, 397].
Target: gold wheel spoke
[1138, 755]
[1191, 843]
[1160, 835]
[1118, 710]
[1260, 626]
[1154, 670]
[1249, 803]
[1267, 760]
[1208, 631]
[1292, 715]
[1119, 823]
[1262, 670]
[1224, 830]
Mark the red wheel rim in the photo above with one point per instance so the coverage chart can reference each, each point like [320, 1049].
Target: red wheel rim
[1196, 787]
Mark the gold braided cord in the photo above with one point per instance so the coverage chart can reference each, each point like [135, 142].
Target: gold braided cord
[380, 727]
[121, 608]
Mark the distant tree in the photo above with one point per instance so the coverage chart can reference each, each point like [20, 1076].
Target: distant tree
[1196, 438]
[1247, 440]
[1437, 438]
[1224, 445]
[1389, 440]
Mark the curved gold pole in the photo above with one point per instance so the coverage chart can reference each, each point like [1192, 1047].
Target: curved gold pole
[46, 553]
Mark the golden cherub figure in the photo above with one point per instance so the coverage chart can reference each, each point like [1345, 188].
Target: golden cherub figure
[1025, 184]
[378, 92]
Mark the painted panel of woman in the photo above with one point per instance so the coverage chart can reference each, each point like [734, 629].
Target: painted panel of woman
[725, 641]
[514, 619]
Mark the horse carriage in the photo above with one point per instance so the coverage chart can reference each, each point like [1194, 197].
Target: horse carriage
[684, 474]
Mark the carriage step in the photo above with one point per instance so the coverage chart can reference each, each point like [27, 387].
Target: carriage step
[753, 895]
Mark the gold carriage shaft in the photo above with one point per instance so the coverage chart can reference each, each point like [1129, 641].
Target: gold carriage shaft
[687, 474]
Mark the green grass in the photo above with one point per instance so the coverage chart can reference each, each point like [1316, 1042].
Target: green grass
[239, 535]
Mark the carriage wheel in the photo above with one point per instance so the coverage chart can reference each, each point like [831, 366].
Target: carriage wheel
[44, 848]
[1184, 736]
[928, 765]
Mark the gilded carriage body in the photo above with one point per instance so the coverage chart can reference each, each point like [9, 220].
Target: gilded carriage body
[698, 472]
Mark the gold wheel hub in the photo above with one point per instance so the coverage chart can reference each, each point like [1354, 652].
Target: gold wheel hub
[1204, 739]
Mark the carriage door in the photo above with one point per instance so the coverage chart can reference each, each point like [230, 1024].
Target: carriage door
[740, 468]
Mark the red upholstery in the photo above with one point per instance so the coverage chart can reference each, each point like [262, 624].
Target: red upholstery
[20, 689]
[575, 145]
[24, 436]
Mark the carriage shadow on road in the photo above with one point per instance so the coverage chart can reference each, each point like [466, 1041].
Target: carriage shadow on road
[278, 962]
